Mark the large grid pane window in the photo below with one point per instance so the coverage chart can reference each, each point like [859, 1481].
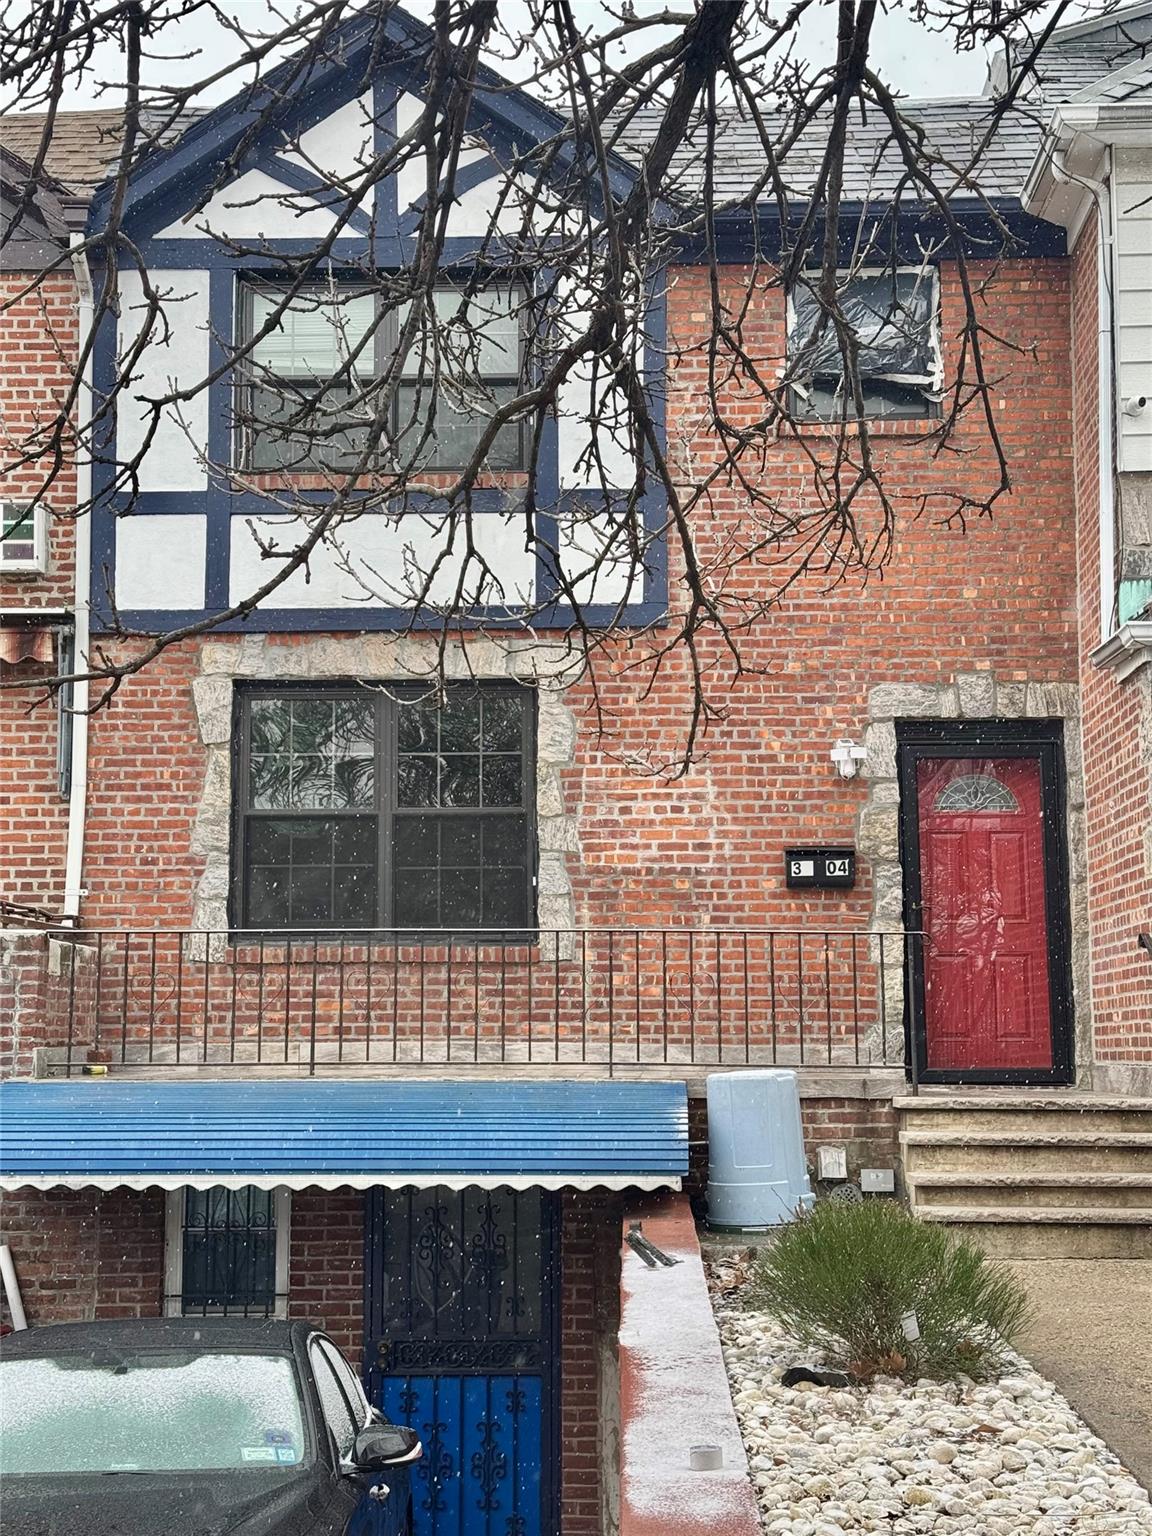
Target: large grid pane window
[309, 403]
[373, 808]
[227, 1251]
[895, 320]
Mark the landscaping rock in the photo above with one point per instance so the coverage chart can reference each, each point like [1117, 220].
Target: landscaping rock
[1000, 1458]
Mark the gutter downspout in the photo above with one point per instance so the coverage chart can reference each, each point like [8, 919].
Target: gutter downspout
[78, 789]
[1105, 384]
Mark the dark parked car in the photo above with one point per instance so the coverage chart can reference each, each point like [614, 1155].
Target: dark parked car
[194, 1427]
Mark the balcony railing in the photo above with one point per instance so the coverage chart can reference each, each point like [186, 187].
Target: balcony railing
[610, 1000]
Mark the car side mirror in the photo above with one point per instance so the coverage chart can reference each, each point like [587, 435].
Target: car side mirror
[385, 1445]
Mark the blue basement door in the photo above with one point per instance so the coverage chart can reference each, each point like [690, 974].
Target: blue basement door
[461, 1313]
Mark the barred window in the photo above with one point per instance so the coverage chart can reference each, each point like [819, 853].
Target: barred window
[227, 1252]
[365, 808]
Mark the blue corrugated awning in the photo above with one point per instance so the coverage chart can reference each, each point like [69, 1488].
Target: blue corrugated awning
[297, 1135]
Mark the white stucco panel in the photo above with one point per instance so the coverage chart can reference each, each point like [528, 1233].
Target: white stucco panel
[160, 561]
[585, 397]
[412, 177]
[596, 557]
[380, 560]
[255, 207]
[339, 146]
[176, 357]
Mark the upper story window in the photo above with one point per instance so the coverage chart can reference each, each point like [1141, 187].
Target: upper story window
[311, 397]
[359, 808]
[895, 318]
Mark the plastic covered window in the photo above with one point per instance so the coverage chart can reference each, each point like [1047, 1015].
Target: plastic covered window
[894, 318]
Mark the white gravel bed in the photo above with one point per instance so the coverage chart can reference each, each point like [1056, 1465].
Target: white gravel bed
[1005, 1458]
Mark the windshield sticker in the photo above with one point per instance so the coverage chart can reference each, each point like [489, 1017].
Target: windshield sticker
[258, 1453]
[285, 1453]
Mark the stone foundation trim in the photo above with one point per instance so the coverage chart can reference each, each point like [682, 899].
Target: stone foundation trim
[379, 660]
[974, 696]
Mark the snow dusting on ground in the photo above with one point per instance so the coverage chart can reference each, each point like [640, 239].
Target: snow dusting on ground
[1003, 1458]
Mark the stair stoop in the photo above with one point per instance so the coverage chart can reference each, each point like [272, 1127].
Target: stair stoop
[1032, 1175]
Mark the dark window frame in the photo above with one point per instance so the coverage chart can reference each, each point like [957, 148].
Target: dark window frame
[184, 1233]
[385, 338]
[883, 399]
[384, 809]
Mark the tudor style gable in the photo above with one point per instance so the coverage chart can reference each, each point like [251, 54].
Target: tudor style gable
[268, 236]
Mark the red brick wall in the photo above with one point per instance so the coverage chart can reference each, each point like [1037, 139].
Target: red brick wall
[1116, 763]
[709, 844]
[590, 1294]
[39, 342]
[84, 1254]
[326, 1265]
[1000, 597]
[40, 328]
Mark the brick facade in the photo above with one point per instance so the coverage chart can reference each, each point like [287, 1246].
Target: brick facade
[40, 330]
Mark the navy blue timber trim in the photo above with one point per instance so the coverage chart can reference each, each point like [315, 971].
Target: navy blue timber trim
[103, 562]
[385, 96]
[332, 70]
[274, 256]
[326, 197]
[906, 230]
[217, 504]
[470, 177]
[363, 619]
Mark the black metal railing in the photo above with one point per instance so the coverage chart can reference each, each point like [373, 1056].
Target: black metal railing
[607, 999]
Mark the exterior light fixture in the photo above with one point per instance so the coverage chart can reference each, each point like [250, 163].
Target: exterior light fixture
[848, 756]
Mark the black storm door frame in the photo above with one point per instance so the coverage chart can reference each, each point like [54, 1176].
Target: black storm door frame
[1042, 741]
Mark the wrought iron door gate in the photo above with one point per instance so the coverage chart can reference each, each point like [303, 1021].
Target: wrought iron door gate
[461, 1321]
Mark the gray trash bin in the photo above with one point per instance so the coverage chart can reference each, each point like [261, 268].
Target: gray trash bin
[757, 1176]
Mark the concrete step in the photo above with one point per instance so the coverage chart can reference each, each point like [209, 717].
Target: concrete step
[1019, 1152]
[1083, 1216]
[1067, 1190]
[942, 1100]
[1033, 1234]
[1013, 1117]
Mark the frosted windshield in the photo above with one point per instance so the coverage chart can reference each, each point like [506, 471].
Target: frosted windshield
[150, 1411]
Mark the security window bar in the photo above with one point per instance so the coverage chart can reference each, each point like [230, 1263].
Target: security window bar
[895, 319]
[228, 1253]
[361, 809]
[310, 395]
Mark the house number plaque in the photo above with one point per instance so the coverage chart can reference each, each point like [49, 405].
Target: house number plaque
[820, 868]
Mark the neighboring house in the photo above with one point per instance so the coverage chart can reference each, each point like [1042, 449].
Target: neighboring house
[1093, 175]
[260, 1142]
[41, 324]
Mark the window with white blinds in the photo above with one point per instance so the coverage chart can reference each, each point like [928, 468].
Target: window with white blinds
[310, 400]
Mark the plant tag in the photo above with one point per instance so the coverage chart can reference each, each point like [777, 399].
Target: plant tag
[910, 1324]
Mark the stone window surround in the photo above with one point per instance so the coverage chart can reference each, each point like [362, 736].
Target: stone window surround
[974, 696]
[381, 659]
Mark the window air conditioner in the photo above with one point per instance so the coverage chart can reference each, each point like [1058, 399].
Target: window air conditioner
[23, 539]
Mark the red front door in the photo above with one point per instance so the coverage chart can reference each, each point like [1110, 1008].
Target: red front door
[986, 989]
